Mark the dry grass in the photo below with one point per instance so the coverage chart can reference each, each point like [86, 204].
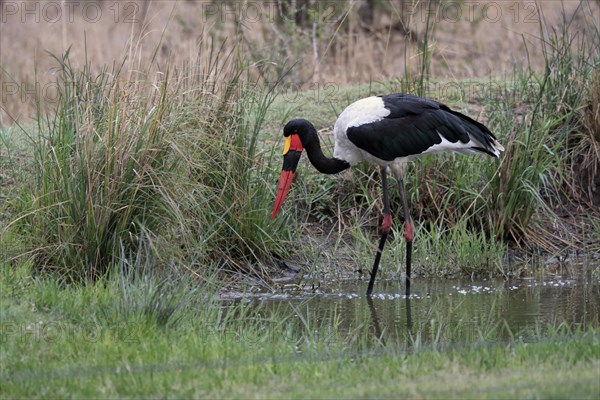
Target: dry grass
[479, 39]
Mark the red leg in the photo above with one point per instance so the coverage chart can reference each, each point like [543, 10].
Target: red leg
[408, 231]
[385, 229]
[387, 223]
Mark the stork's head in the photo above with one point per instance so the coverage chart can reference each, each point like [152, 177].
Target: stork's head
[292, 150]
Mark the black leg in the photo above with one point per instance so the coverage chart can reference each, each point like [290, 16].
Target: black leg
[376, 263]
[408, 257]
[408, 234]
[385, 229]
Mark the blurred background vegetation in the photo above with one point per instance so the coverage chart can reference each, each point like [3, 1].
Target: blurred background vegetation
[335, 42]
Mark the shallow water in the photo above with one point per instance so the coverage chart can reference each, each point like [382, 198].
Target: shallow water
[437, 311]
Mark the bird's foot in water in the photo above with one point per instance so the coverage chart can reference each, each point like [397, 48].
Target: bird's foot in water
[386, 225]
[408, 232]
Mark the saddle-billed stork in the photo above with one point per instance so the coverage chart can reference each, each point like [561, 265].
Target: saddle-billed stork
[388, 131]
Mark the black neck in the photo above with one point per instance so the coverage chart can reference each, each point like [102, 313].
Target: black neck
[310, 141]
[323, 164]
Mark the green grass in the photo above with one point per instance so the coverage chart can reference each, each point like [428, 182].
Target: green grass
[15, 169]
[115, 339]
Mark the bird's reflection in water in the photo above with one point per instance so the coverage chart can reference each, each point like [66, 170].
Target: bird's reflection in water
[375, 319]
[378, 332]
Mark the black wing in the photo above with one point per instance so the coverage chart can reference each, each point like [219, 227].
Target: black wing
[414, 125]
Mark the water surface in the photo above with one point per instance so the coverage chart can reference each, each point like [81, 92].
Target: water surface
[437, 311]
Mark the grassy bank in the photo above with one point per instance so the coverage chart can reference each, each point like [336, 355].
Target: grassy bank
[148, 337]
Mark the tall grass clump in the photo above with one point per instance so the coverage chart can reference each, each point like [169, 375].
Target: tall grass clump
[100, 161]
[552, 153]
[171, 165]
[226, 181]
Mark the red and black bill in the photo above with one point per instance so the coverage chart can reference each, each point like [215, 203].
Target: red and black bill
[291, 156]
